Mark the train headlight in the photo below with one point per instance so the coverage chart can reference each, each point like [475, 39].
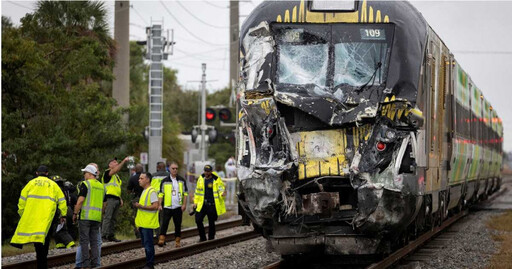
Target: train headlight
[390, 135]
[343, 5]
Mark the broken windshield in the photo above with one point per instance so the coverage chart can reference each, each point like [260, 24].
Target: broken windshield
[356, 63]
[331, 59]
[303, 64]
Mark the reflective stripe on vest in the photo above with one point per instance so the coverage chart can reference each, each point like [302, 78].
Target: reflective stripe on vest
[93, 203]
[218, 188]
[168, 193]
[113, 186]
[147, 218]
[38, 202]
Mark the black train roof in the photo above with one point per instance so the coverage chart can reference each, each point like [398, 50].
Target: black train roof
[408, 44]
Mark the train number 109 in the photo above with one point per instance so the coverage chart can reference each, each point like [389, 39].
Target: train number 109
[373, 34]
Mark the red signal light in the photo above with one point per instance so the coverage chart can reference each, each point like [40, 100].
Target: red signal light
[210, 114]
[224, 114]
[380, 146]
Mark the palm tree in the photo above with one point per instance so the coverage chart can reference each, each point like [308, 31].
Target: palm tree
[74, 18]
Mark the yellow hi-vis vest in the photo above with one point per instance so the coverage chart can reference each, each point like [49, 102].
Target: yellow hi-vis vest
[37, 205]
[147, 218]
[114, 185]
[167, 192]
[218, 190]
[93, 204]
[155, 183]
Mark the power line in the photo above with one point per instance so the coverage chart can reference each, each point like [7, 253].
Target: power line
[138, 25]
[185, 28]
[16, 4]
[187, 55]
[195, 67]
[194, 16]
[140, 16]
[213, 5]
[197, 55]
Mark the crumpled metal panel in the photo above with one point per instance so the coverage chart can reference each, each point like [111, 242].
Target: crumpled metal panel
[267, 156]
[259, 46]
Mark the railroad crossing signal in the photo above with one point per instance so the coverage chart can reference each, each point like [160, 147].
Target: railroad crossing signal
[210, 114]
[223, 112]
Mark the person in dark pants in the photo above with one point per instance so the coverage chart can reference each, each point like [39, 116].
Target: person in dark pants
[88, 211]
[208, 201]
[62, 236]
[156, 181]
[173, 201]
[135, 190]
[37, 206]
[147, 217]
[112, 183]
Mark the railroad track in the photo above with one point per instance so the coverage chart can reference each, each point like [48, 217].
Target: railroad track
[418, 249]
[67, 258]
[416, 244]
[185, 251]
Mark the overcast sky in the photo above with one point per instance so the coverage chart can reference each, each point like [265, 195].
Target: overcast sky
[478, 33]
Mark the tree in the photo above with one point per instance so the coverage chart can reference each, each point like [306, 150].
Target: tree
[55, 110]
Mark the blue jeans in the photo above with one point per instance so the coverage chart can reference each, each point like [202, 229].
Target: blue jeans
[146, 235]
[78, 258]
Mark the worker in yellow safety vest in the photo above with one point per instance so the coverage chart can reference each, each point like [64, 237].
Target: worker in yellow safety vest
[37, 205]
[173, 199]
[147, 217]
[112, 183]
[89, 209]
[208, 201]
[156, 180]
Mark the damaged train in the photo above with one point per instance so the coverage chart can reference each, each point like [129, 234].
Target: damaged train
[356, 127]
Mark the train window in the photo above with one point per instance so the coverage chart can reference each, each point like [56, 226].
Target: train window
[303, 55]
[359, 63]
[303, 64]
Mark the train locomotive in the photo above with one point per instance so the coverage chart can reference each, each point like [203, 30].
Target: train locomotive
[356, 127]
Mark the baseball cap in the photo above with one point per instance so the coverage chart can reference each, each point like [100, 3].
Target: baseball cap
[90, 169]
[42, 169]
[208, 168]
[110, 160]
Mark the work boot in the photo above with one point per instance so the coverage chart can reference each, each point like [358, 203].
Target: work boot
[161, 240]
[178, 245]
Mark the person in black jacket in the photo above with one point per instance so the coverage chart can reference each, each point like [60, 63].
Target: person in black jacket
[62, 237]
[135, 190]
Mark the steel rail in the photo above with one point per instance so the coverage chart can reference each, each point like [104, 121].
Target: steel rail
[274, 265]
[67, 258]
[412, 246]
[185, 251]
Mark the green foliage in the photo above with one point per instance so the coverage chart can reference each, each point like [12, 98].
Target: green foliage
[224, 147]
[54, 108]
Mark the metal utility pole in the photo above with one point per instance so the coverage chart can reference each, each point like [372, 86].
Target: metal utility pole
[234, 51]
[121, 85]
[203, 113]
[156, 53]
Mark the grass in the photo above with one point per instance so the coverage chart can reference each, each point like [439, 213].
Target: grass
[502, 224]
